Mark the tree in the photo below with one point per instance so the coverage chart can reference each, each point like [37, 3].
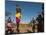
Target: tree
[40, 19]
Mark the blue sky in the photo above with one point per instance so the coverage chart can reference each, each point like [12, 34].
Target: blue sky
[28, 9]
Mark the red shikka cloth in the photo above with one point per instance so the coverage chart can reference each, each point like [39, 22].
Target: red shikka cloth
[17, 20]
[9, 25]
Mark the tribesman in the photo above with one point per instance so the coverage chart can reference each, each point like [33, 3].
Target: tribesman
[18, 17]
